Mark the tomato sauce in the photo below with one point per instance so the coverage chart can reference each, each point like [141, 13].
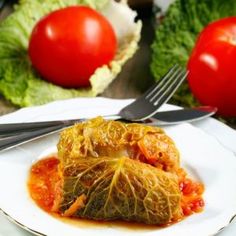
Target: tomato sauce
[192, 201]
[42, 182]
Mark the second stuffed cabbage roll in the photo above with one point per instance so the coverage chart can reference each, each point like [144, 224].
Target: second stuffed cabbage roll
[98, 137]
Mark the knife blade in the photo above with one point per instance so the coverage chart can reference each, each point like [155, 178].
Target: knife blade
[174, 117]
[161, 118]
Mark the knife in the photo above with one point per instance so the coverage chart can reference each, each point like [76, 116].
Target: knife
[14, 138]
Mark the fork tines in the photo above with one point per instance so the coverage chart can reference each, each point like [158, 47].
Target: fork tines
[167, 86]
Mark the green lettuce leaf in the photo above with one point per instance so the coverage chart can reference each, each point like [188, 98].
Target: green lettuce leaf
[19, 83]
[177, 34]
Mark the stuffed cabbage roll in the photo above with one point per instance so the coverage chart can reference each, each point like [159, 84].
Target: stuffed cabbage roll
[99, 138]
[112, 188]
[109, 170]
[106, 173]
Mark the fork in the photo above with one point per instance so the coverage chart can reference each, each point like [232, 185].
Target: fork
[16, 133]
[140, 109]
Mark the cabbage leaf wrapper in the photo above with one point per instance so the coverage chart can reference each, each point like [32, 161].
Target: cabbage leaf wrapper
[105, 176]
[121, 188]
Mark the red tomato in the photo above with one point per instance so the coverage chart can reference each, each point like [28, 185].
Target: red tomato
[212, 67]
[69, 44]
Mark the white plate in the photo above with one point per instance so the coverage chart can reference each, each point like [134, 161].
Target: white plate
[201, 154]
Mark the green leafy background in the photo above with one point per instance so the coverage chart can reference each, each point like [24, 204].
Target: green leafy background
[177, 33]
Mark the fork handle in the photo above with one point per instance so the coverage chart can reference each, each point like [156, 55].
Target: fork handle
[9, 129]
[16, 140]
[14, 128]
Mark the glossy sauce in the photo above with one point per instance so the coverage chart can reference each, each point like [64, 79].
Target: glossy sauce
[192, 201]
[44, 179]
